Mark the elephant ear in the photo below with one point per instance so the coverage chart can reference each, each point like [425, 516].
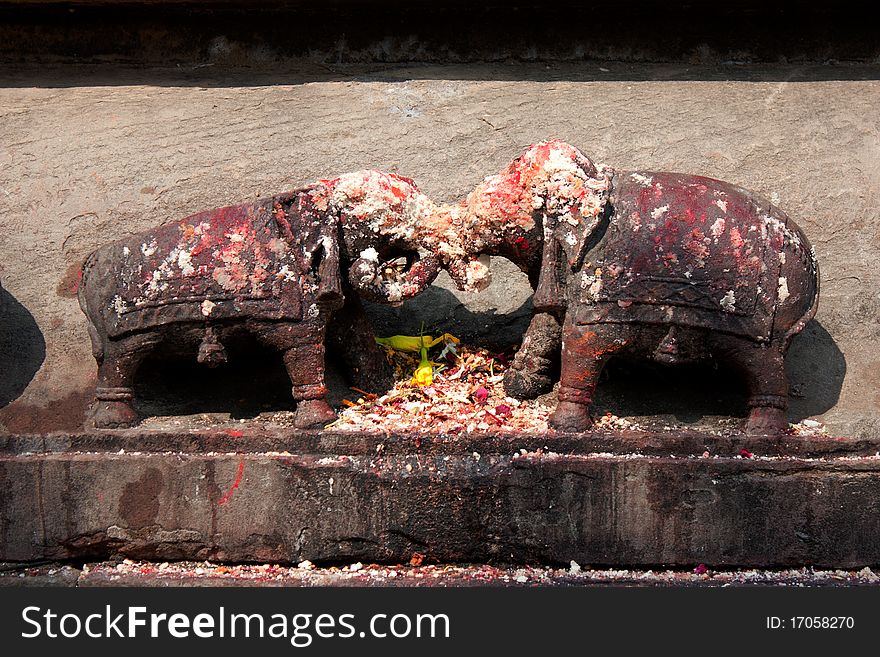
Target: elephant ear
[574, 233]
[579, 223]
[566, 242]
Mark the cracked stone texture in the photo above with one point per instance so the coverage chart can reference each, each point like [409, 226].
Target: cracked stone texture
[87, 158]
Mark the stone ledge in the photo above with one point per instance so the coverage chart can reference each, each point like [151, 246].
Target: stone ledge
[285, 497]
[268, 439]
[187, 574]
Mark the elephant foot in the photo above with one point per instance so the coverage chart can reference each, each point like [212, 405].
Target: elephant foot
[313, 414]
[114, 415]
[766, 421]
[521, 384]
[570, 417]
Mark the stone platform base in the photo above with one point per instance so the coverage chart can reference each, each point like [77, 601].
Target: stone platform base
[634, 499]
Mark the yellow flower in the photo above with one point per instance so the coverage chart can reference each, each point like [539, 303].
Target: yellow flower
[424, 374]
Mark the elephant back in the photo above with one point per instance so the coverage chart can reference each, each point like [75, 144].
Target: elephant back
[230, 263]
[691, 251]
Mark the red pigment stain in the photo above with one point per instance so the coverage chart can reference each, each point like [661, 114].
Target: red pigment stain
[233, 433]
[74, 288]
[69, 284]
[228, 495]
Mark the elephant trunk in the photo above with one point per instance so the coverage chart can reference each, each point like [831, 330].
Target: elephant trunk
[470, 274]
[377, 282]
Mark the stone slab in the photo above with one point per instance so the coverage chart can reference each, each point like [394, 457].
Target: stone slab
[284, 497]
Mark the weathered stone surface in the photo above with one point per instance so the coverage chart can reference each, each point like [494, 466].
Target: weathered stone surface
[38, 576]
[640, 499]
[159, 145]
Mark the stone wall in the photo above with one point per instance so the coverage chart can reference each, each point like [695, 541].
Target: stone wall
[91, 152]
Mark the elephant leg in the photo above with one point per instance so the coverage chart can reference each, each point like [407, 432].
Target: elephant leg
[350, 336]
[585, 351]
[118, 363]
[303, 346]
[533, 367]
[763, 367]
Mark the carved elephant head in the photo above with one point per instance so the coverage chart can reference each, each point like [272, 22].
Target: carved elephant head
[543, 207]
[377, 213]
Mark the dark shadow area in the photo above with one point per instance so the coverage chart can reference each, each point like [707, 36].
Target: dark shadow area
[251, 382]
[630, 388]
[230, 44]
[22, 348]
[816, 368]
[441, 312]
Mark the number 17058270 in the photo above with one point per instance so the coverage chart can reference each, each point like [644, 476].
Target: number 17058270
[811, 623]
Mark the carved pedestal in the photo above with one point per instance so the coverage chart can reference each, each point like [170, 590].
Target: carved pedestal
[606, 499]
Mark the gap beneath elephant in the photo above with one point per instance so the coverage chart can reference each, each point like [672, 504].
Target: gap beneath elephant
[688, 394]
[172, 386]
[252, 381]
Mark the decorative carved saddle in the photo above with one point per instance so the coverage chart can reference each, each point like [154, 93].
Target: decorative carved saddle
[224, 263]
[690, 251]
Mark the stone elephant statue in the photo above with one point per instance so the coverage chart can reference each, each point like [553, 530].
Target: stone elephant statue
[276, 269]
[668, 266]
